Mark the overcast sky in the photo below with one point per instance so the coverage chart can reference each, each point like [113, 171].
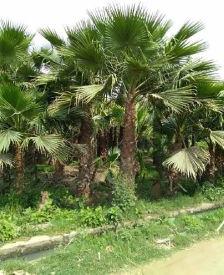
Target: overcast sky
[57, 14]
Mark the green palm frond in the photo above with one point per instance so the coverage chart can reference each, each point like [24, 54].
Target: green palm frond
[84, 47]
[87, 93]
[47, 78]
[157, 26]
[177, 100]
[217, 137]
[125, 27]
[189, 161]
[50, 144]
[181, 44]
[62, 105]
[52, 37]
[196, 71]
[15, 103]
[188, 30]
[208, 87]
[9, 137]
[14, 43]
[65, 105]
[178, 50]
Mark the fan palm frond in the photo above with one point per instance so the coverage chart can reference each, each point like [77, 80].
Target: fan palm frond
[14, 43]
[5, 160]
[188, 30]
[16, 103]
[177, 100]
[50, 144]
[126, 27]
[209, 87]
[52, 37]
[189, 161]
[87, 93]
[9, 137]
[181, 44]
[217, 137]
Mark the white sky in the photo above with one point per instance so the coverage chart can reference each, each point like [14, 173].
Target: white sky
[57, 14]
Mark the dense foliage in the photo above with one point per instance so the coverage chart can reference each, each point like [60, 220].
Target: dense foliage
[120, 108]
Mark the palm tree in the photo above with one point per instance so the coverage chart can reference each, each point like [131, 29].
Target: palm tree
[197, 134]
[21, 125]
[132, 45]
[14, 52]
[135, 48]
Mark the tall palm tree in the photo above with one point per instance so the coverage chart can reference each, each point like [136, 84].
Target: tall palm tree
[132, 44]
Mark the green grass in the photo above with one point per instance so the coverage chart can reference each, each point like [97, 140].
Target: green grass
[126, 248]
[169, 204]
[65, 220]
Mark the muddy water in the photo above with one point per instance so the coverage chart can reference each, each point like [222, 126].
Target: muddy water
[203, 258]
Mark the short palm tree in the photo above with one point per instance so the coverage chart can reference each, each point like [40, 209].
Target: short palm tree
[21, 125]
[195, 135]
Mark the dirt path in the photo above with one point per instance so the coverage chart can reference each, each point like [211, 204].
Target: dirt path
[203, 258]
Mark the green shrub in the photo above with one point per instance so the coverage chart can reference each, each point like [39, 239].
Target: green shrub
[8, 230]
[212, 192]
[92, 217]
[45, 168]
[63, 198]
[123, 195]
[192, 223]
[42, 215]
[114, 215]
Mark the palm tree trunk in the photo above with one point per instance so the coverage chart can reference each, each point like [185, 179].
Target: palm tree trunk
[172, 175]
[128, 164]
[158, 153]
[86, 167]
[19, 165]
[103, 146]
[211, 167]
[58, 171]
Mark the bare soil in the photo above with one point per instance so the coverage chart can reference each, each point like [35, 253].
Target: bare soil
[203, 258]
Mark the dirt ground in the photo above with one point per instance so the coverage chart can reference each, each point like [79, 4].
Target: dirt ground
[203, 258]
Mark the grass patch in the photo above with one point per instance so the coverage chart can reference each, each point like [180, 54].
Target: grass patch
[126, 248]
[20, 223]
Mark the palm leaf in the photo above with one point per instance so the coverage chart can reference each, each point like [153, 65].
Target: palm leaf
[177, 50]
[217, 137]
[125, 27]
[208, 87]
[14, 43]
[16, 103]
[5, 160]
[84, 46]
[177, 99]
[189, 161]
[9, 137]
[50, 144]
[87, 93]
[52, 37]
[188, 30]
